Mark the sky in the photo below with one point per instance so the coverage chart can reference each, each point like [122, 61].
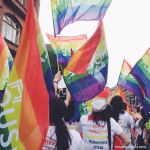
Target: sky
[127, 32]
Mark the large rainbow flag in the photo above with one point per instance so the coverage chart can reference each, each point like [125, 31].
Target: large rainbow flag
[65, 12]
[141, 71]
[86, 72]
[63, 46]
[25, 112]
[6, 62]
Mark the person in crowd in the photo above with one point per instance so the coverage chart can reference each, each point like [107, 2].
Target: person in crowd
[135, 112]
[142, 138]
[59, 137]
[99, 128]
[125, 120]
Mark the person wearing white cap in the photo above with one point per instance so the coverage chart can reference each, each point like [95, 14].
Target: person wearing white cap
[98, 128]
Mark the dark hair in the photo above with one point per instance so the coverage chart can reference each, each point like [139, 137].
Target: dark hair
[102, 115]
[70, 111]
[57, 113]
[118, 106]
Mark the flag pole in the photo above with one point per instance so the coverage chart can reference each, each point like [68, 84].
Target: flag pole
[58, 68]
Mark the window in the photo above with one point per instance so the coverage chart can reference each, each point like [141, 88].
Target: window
[21, 1]
[11, 28]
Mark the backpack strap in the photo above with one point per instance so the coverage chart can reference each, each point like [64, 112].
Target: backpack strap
[109, 133]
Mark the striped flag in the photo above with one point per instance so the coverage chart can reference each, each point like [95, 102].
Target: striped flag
[87, 69]
[65, 12]
[25, 112]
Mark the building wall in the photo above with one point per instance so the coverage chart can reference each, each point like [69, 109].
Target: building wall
[18, 10]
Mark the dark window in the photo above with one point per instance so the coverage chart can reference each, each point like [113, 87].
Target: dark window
[11, 28]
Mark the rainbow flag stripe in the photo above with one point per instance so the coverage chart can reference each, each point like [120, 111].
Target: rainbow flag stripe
[24, 111]
[88, 67]
[65, 12]
[63, 46]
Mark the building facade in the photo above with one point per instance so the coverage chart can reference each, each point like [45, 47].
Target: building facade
[12, 17]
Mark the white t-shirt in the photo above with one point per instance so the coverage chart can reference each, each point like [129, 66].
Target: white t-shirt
[126, 121]
[97, 135]
[77, 142]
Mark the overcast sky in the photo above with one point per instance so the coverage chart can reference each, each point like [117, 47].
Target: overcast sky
[127, 31]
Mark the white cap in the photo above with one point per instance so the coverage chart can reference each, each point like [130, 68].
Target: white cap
[99, 104]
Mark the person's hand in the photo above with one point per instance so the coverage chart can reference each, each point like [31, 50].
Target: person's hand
[68, 97]
[58, 76]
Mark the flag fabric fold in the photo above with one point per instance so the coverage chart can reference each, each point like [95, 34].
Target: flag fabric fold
[86, 72]
[25, 111]
[65, 12]
[65, 46]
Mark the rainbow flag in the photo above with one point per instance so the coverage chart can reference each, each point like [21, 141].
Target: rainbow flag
[125, 70]
[88, 67]
[25, 111]
[65, 12]
[141, 71]
[127, 81]
[63, 46]
[6, 62]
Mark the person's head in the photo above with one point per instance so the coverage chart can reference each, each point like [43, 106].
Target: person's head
[100, 110]
[118, 106]
[57, 113]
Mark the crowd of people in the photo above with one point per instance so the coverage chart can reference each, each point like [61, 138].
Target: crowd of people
[108, 127]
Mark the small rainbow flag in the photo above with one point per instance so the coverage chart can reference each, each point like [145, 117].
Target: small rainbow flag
[63, 46]
[6, 62]
[141, 71]
[65, 12]
[125, 70]
[127, 80]
[24, 111]
[86, 72]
